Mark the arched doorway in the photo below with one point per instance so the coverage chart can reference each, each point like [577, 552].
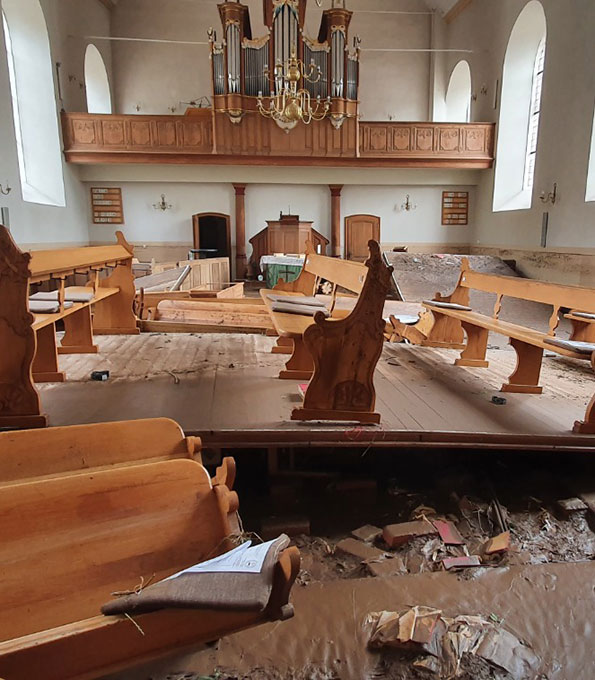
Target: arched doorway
[212, 231]
[359, 229]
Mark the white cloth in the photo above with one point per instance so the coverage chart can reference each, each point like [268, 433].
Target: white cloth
[288, 260]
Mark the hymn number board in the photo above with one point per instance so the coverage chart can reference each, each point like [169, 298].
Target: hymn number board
[106, 204]
[455, 207]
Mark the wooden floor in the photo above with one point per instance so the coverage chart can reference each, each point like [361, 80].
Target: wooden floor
[224, 388]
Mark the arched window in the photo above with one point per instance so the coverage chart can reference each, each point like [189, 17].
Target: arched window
[590, 195]
[458, 94]
[99, 99]
[520, 105]
[33, 102]
[534, 116]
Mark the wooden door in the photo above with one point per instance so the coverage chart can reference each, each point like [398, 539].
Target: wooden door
[359, 229]
[212, 230]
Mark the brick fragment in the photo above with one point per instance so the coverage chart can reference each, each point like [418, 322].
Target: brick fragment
[354, 548]
[367, 533]
[498, 544]
[460, 562]
[448, 532]
[399, 534]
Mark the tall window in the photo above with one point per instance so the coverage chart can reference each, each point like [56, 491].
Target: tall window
[590, 195]
[35, 116]
[99, 99]
[534, 116]
[520, 107]
[458, 94]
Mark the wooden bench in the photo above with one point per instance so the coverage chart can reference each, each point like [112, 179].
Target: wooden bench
[30, 350]
[450, 327]
[339, 354]
[68, 542]
[28, 455]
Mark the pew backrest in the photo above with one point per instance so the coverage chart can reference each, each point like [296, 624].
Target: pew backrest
[31, 454]
[69, 542]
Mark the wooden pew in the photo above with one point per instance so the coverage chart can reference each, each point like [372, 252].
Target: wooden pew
[339, 354]
[30, 351]
[28, 455]
[68, 542]
[467, 329]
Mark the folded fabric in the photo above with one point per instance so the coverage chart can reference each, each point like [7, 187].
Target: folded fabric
[46, 306]
[298, 299]
[303, 310]
[203, 587]
[447, 305]
[584, 315]
[69, 294]
[572, 345]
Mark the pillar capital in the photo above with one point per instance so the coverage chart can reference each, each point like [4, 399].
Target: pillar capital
[335, 189]
[240, 189]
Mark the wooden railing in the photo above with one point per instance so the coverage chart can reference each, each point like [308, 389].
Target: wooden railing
[207, 138]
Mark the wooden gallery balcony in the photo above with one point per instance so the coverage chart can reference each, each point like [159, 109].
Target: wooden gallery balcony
[204, 137]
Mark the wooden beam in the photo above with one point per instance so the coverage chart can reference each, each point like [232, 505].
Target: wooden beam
[457, 9]
[181, 327]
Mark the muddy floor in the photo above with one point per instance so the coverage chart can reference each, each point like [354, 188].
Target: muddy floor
[541, 588]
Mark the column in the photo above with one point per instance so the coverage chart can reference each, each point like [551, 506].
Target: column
[240, 190]
[335, 190]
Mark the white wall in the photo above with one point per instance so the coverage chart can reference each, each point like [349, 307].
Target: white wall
[158, 76]
[565, 124]
[147, 226]
[31, 223]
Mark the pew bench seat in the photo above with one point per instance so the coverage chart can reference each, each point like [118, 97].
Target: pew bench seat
[583, 325]
[528, 343]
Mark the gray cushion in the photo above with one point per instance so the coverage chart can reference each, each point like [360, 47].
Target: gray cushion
[572, 345]
[298, 300]
[46, 306]
[584, 315]
[447, 305]
[303, 310]
[69, 294]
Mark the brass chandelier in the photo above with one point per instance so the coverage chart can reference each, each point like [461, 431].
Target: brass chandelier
[288, 104]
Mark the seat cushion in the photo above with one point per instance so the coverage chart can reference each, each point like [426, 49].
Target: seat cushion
[298, 300]
[584, 315]
[572, 345]
[447, 305]
[46, 306]
[303, 310]
[70, 295]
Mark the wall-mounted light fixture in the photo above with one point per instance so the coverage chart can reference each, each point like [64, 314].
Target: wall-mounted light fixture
[550, 196]
[408, 206]
[6, 191]
[163, 204]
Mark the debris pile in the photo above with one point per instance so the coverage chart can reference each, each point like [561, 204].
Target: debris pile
[442, 643]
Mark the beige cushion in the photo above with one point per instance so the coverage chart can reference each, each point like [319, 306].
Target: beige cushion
[584, 315]
[69, 294]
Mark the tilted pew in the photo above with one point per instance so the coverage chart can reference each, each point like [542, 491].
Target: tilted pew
[30, 350]
[68, 541]
[450, 322]
[339, 354]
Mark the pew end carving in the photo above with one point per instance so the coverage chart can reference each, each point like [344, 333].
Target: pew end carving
[19, 400]
[345, 353]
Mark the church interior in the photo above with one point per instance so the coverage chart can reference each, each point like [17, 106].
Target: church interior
[297, 339]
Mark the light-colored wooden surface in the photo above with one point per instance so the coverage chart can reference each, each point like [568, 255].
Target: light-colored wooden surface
[30, 454]
[224, 387]
[47, 319]
[45, 263]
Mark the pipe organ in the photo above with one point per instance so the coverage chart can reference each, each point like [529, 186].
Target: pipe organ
[246, 69]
